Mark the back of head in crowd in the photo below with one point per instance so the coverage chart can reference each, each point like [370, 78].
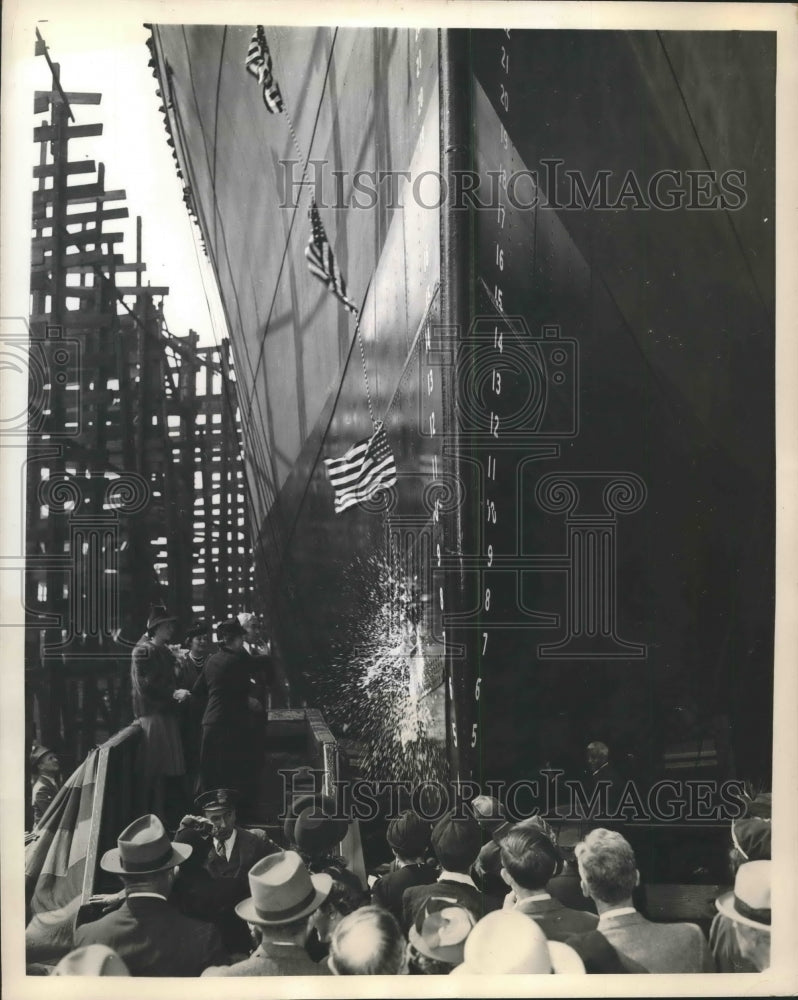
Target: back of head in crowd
[409, 836]
[367, 942]
[528, 857]
[607, 866]
[456, 842]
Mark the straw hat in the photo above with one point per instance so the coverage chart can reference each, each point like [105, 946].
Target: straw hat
[749, 902]
[91, 960]
[509, 942]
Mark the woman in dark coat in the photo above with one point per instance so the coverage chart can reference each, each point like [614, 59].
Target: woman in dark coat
[156, 699]
[226, 754]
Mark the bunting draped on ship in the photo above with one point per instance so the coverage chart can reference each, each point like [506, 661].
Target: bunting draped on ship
[55, 864]
[321, 260]
[365, 469]
[259, 64]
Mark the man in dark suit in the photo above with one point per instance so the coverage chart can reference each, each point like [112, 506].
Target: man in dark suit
[529, 861]
[150, 936]
[456, 843]
[609, 875]
[227, 753]
[409, 837]
[233, 852]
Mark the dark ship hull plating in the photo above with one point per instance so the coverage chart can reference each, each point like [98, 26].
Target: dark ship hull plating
[589, 551]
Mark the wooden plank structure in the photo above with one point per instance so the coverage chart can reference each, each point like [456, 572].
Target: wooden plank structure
[115, 398]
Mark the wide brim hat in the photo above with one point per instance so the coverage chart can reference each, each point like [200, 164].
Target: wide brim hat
[748, 902]
[158, 616]
[91, 960]
[440, 929]
[144, 848]
[488, 812]
[282, 891]
[564, 962]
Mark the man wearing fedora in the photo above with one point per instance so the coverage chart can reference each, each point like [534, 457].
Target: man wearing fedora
[747, 906]
[283, 896]
[437, 937]
[227, 758]
[160, 765]
[233, 853]
[750, 842]
[150, 936]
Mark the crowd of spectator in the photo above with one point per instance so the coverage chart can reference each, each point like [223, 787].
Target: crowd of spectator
[470, 895]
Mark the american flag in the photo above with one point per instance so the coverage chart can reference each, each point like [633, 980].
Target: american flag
[259, 64]
[321, 260]
[365, 469]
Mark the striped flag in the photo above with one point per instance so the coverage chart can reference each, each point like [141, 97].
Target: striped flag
[55, 865]
[321, 260]
[259, 64]
[364, 470]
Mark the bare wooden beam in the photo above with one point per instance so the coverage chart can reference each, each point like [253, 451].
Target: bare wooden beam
[119, 266]
[78, 194]
[78, 167]
[94, 236]
[91, 258]
[46, 133]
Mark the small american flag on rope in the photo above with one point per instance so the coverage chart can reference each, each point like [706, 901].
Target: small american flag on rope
[321, 260]
[365, 469]
[259, 64]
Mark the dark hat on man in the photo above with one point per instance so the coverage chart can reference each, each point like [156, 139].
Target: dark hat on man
[751, 837]
[198, 628]
[324, 804]
[220, 799]
[316, 832]
[409, 834]
[229, 629]
[283, 890]
[158, 616]
[144, 848]
[440, 929]
[456, 841]
[37, 753]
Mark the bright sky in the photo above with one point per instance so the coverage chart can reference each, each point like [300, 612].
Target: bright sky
[137, 159]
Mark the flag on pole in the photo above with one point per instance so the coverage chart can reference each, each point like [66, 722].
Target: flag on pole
[321, 260]
[365, 469]
[259, 64]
